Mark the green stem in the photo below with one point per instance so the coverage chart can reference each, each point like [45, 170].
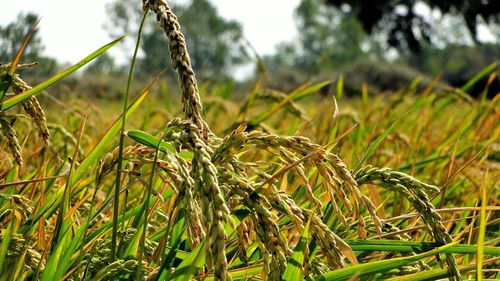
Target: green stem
[146, 210]
[120, 149]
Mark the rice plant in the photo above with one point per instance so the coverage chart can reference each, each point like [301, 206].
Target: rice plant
[291, 192]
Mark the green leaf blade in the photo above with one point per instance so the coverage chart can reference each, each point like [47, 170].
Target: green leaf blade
[293, 271]
[56, 78]
[152, 142]
[190, 266]
[379, 266]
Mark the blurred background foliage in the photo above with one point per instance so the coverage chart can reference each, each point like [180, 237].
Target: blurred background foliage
[11, 38]
[384, 44]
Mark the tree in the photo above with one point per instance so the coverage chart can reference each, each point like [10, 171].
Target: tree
[11, 38]
[214, 43]
[328, 38]
[408, 30]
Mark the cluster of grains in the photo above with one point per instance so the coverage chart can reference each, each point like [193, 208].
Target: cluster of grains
[263, 223]
[99, 265]
[10, 134]
[216, 176]
[188, 197]
[136, 157]
[19, 203]
[18, 249]
[137, 153]
[336, 178]
[413, 190]
[234, 174]
[200, 183]
[217, 180]
[32, 108]
[261, 205]
[119, 268]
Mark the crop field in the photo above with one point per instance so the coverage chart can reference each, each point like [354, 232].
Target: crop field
[212, 184]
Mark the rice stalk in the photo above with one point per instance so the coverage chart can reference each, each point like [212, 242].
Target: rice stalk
[118, 173]
[413, 190]
[181, 62]
[219, 179]
[32, 107]
[10, 134]
[204, 185]
[211, 175]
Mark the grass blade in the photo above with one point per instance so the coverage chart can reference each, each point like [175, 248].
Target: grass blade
[293, 271]
[437, 274]
[482, 230]
[478, 77]
[371, 149]
[245, 273]
[188, 267]
[378, 266]
[54, 79]
[6, 237]
[152, 142]
[413, 246]
[175, 240]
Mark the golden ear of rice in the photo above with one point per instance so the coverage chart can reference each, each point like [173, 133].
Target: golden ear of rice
[11, 136]
[181, 62]
[33, 108]
[413, 190]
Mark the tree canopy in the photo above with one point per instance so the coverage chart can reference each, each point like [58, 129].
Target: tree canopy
[11, 38]
[406, 29]
[327, 39]
[12, 35]
[214, 43]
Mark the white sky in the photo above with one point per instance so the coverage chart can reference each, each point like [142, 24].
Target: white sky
[72, 29]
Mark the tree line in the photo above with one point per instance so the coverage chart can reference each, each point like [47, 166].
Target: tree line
[332, 35]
